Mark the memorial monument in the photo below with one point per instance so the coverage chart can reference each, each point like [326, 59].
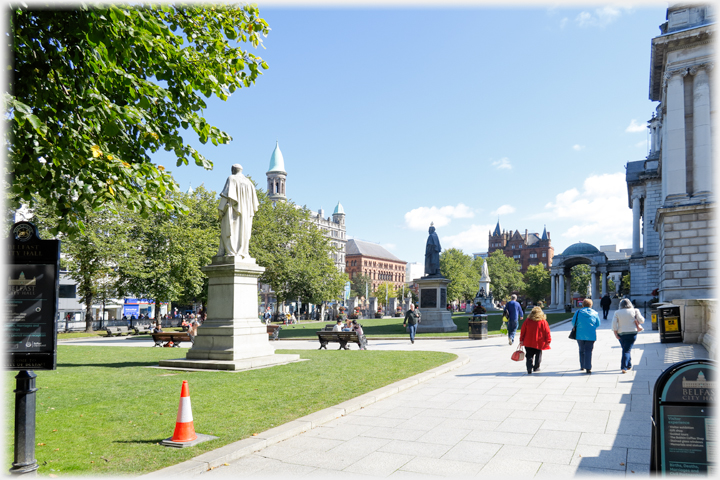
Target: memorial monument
[433, 291]
[484, 296]
[232, 337]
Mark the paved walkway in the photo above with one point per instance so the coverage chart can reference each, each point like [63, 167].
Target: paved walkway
[488, 417]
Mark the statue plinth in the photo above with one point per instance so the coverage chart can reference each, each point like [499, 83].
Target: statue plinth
[232, 337]
[435, 316]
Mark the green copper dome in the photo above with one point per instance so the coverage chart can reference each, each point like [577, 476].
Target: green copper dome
[580, 249]
[339, 209]
[277, 163]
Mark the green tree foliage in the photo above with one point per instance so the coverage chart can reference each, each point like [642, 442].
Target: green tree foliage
[505, 276]
[611, 287]
[579, 279]
[96, 90]
[295, 253]
[537, 283]
[165, 251]
[359, 285]
[90, 257]
[460, 270]
[625, 284]
[385, 290]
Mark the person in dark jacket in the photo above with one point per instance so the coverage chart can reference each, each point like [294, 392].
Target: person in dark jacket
[412, 318]
[514, 313]
[605, 304]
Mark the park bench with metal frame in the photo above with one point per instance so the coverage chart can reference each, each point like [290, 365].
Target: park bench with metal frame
[326, 336]
[142, 329]
[174, 337]
[273, 331]
[117, 331]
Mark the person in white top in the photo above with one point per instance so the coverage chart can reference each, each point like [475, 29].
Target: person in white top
[626, 325]
[338, 326]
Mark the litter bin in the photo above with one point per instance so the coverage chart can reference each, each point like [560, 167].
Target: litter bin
[654, 314]
[477, 327]
[568, 308]
[669, 323]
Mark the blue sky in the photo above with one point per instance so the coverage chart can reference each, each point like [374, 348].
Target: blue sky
[409, 115]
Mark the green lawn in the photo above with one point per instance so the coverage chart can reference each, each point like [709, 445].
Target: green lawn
[103, 412]
[392, 327]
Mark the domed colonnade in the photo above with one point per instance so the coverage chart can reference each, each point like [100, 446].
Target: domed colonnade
[582, 254]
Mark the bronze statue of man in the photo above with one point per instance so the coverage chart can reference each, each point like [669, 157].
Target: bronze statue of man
[432, 253]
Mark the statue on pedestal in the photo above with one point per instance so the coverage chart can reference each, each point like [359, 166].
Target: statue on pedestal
[432, 253]
[238, 204]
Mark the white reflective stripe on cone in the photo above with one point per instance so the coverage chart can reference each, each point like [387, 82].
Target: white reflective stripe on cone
[184, 412]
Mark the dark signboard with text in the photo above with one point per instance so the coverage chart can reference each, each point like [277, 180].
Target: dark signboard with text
[32, 299]
[683, 435]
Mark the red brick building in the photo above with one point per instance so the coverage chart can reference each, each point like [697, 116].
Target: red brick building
[528, 249]
[374, 261]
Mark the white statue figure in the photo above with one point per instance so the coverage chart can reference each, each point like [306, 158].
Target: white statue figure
[238, 204]
[485, 273]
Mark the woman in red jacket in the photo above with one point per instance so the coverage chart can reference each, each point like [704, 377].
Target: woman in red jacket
[535, 337]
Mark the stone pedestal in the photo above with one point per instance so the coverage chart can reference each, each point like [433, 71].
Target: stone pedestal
[373, 307]
[433, 305]
[232, 337]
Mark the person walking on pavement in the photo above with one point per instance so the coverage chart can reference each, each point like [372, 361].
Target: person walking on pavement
[514, 312]
[412, 318]
[605, 304]
[625, 325]
[586, 322]
[535, 337]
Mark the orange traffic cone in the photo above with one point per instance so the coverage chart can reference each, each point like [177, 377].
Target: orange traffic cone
[184, 429]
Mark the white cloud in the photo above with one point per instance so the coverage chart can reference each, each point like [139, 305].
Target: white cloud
[503, 209]
[635, 127]
[600, 212]
[472, 240]
[420, 218]
[577, 147]
[600, 17]
[502, 164]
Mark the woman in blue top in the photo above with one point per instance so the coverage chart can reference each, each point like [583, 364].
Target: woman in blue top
[587, 321]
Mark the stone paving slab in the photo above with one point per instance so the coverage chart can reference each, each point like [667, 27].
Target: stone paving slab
[483, 417]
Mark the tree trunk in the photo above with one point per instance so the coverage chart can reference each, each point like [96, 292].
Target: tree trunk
[157, 310]
[88, 313]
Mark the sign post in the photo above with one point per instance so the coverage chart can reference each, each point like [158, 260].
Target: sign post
[32, 301]
[683, 426]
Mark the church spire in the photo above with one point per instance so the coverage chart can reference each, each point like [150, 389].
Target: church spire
[497, 228]
[544, 235]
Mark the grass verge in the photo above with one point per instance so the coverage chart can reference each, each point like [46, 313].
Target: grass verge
[392, 327]
[103, 412]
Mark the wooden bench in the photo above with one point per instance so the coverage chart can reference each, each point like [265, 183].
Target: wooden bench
[142, 329]
[273, 331]
[343, 338]
[117, 331]
[175, 337]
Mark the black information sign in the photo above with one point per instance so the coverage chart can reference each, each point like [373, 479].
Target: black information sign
[428, 298]
[32, 299]
[683, 436]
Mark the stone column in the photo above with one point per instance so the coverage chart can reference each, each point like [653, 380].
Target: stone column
[702, 136]
[562, 290]
[593, 285]
[553, 300]
[636, 224]
[604, 275]
[673, 165]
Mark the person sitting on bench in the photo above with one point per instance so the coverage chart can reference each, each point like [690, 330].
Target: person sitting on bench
[338, 326]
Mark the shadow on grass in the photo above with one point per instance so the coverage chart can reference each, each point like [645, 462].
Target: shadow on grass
[149, 363]
[139, 441]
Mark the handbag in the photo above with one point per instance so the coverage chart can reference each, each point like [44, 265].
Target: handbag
[518, 355]
[573, 333]
[503, 327]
